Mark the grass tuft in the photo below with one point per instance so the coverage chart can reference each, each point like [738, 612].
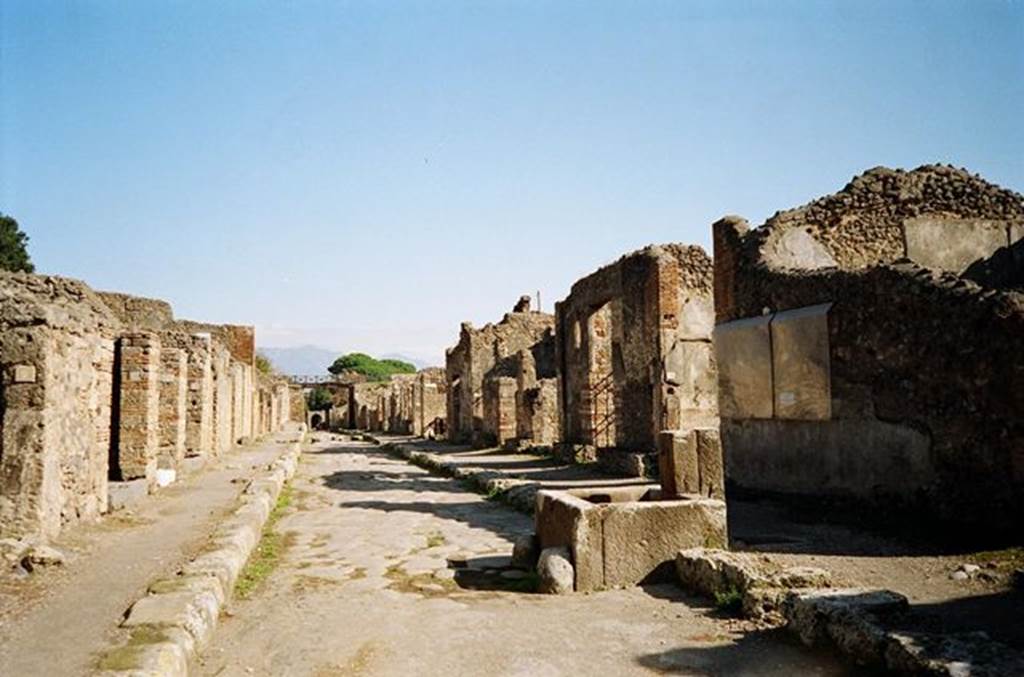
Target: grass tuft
[729, 601]
[267, 554]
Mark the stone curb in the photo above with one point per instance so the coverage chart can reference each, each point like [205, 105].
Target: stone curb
[856, 622]
[178, 615]
[518, 493]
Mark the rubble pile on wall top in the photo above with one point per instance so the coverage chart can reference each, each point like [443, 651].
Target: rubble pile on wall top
[58, 302]
[695, 269]
[861, 225]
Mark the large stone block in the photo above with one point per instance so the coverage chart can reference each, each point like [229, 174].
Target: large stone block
[641, 537]
[801, 365]
[743, 354]
[677, 462]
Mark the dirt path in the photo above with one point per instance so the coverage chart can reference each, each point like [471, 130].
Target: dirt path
[55, 621]
[364, 588]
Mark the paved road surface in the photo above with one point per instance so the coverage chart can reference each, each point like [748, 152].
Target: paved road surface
[364, 589]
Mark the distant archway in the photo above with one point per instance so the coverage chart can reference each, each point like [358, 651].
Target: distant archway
[316, 422]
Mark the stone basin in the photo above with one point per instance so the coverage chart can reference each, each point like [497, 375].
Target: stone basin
[623, 536]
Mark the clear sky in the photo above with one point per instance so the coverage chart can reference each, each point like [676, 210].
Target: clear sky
[365, 176]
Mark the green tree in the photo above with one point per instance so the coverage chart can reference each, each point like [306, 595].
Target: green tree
[13, 251]
[264, 365]
[370, 367]
[319, 399]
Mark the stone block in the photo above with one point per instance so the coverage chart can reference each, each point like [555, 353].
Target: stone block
[710, 463]
[677, 463]
[195, 612]
[641, 538]
[801, 363]
[23, 373]
[845, 618]
[705, 572]
[743, 354]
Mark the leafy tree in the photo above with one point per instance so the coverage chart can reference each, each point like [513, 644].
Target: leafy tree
[370, 367]
[264, 365]
[13, 251]
[319, 399]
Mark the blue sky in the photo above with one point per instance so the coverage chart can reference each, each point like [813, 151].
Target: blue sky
[364, 176]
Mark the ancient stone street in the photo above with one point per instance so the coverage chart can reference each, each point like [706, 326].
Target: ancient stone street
[365, 586]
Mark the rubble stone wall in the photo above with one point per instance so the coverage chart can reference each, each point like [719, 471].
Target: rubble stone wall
[173, 395]
[490, 353]
[888, 384]
[431, 404]
[101, 386]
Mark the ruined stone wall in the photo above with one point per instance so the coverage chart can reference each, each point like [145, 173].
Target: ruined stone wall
[633, 350]
[222, 398]
[890, 385]
[97, 387]
[500, 410]
[366, 401]
[199, 405]
[537, 415]
[296, 404]
[431, 403]
[489, 352]
[138, 312]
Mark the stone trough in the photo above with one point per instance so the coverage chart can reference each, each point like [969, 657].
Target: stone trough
[620, 537]
[623, 536]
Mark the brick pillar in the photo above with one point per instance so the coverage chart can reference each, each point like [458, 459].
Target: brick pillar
[199, 400]
[727, 234]
[173, 406]
[139, 412]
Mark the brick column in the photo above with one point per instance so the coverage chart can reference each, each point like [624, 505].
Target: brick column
[173, 390]
[199, 399]
[139, 411]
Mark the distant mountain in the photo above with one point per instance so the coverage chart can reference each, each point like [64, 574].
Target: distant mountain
[301, 361]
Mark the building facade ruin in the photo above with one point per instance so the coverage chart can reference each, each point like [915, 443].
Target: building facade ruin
[101, 388]
[869, 348]
[500, 378]
[634, 356]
